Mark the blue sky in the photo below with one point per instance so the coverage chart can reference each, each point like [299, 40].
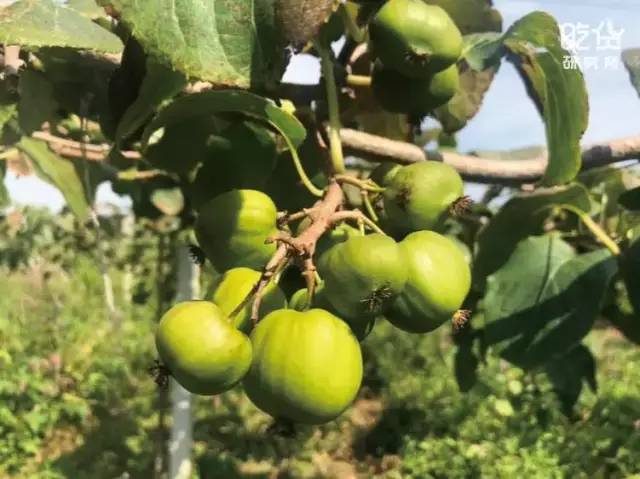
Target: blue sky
[507, 119]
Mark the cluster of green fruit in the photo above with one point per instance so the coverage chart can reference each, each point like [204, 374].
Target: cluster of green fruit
[417, 46]
[302, 361]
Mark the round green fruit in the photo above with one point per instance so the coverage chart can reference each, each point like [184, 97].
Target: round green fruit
[307, 366]
[420, 196]
[362, 275]
[400, 94]
[384, 173]
[439, 281]
[414, 38]
[361, 327]
[230, 289]
[201, 349]
[232, 229]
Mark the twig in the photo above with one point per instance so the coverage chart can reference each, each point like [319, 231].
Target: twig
[595, 229]
[356, 215]
[364, 185]
[368, 206]
[302, 246]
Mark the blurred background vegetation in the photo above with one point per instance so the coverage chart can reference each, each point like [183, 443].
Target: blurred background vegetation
[77, 400]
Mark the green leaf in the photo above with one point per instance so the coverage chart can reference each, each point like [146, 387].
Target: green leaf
[631, 60]
[42, 23]
[228, 101]
[472, 16]
[630, 200]
[483, 50]
[544, 300]
[232, 43]
[37, 103]
[522, 216]
[560, 93]
[465, 104]
[160, 84]
[59, 172]
[568, 373]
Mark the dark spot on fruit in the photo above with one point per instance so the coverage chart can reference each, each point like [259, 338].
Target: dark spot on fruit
[374, 302]
[403, 198]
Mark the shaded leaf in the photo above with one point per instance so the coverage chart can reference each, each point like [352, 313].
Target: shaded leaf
[545, 300]
[522, 216]
[631, 60]
[43, 23]
[559, 92]
[465, 365]
[160, 84]
[568, 373]
[630, 269]
[59, 172]
[630, 200]
[37, 103]
[228, 101]
[472, 16]
[483, 50]
[228, 43]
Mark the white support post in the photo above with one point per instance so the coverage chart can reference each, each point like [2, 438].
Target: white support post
[181, 437]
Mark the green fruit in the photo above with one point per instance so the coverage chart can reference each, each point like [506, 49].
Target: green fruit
[244, 157]
[232, 229]
[400, 94]
[299, 301]
[414, 38]
[362, 275]
[419, 196]
[439, 281]
[384, 173]
[201, 349]
[231, 289]
[464, 249]
[307, 367]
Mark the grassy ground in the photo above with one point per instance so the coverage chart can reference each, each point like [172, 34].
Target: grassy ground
[76, 402]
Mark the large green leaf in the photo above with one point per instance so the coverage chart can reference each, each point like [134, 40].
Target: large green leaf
[559, 92]
[59, 172]
[233, 43]
[160, 84]
[228, 101]
[520, 217]
[544, 300]
[631, 60]
[43, 23]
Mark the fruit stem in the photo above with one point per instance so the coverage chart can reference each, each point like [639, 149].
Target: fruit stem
[365, 185]
[356, 215]
[306, 181]
[595, 229]
[358, 80]
[335, 143]
[350, 24]
[368, 206]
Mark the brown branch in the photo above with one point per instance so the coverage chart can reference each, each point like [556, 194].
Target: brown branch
[77, 149]
[482, 170]
[302, 246]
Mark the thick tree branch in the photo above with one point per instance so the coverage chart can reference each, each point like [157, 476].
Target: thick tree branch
[377, 148]
[482, 170]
